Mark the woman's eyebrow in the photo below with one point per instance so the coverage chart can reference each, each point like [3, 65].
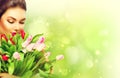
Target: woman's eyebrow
[23, 19]
[12, 18]
[16, 19]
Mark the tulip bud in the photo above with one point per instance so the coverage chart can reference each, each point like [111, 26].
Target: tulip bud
[39, 41]
[16, 55]
[13, 34]
[22, 32]
[3, 36]
[28, 40]
[40, 47]
[59, 57]
[4, 57]
[30, 47]
[11, 40]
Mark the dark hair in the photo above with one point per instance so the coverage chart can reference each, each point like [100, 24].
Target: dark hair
[6, 4]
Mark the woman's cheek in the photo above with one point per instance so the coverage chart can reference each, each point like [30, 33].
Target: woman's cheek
[8, 27]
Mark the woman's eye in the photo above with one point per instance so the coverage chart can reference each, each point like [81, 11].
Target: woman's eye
[22, 22]
[10, 21]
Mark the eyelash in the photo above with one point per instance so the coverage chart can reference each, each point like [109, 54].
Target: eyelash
[22, 22]
[11, 22]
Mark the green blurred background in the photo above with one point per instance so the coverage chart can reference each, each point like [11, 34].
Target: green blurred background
[87, 32]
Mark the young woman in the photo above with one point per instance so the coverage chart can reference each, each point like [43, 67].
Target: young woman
[12, 15]
[12, 19]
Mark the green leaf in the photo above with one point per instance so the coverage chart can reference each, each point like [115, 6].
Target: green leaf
[36, 37]
[27, 74]
[12, 49]
[26, 36]
[5, 46]
[0, 66]
[21, 56]
[24, 65]
[11, 68]
[1, 50]
[43, 74]
[38, 54]
[18, 66]
[30, 61]
[19, 44]
[40, 61]
[47, 66]
[36, 75]
[3, 41]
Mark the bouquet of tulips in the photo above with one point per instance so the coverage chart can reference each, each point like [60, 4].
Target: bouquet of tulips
[25, 56]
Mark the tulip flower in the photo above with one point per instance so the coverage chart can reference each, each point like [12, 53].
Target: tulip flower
[40, 47]
[16, 55]
[59, 57]
[3, 36]
[11, 40]
[22, 32]
[24, 50]
[39, 41]
[30, 47]
[13, 34]
[5, 57]
[28, 40]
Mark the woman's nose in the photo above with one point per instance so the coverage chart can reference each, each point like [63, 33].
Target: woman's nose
[17, 28]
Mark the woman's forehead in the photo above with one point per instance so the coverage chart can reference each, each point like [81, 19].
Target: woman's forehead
[15, 12]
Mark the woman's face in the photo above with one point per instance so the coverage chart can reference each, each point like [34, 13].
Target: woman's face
[13, 20]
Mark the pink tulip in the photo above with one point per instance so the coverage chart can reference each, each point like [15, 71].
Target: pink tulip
[30, 47]
[59, 57]
[28, 40]
[40, 40]
[40, 47]
[16, 55]
[24, 50]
